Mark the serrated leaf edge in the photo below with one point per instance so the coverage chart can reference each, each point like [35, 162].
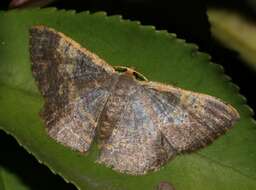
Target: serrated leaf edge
[150, 28]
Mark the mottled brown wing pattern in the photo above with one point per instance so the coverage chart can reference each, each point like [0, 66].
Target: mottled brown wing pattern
[75, 84]
[139, 126]
[135, 145]
[153, 122]
[189, 120]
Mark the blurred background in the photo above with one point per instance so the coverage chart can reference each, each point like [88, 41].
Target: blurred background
[235, 50]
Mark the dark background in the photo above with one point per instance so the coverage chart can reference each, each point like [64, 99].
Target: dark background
[186, 18]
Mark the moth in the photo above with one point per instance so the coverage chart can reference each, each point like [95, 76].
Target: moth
[139, 125]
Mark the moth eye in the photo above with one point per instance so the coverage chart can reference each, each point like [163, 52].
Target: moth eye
[139, 76]
[120, 69]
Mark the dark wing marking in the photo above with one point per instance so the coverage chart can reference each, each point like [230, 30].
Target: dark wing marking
[134, 145]
[151, 122]
[189, 120]
[75, 84]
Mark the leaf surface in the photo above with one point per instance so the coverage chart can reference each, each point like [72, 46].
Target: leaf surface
[229, 163]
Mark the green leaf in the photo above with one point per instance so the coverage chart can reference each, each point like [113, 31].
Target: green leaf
[10, 181]
[229, 163]
[235, 32]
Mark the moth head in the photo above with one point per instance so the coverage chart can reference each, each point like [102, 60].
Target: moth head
[130, 72]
